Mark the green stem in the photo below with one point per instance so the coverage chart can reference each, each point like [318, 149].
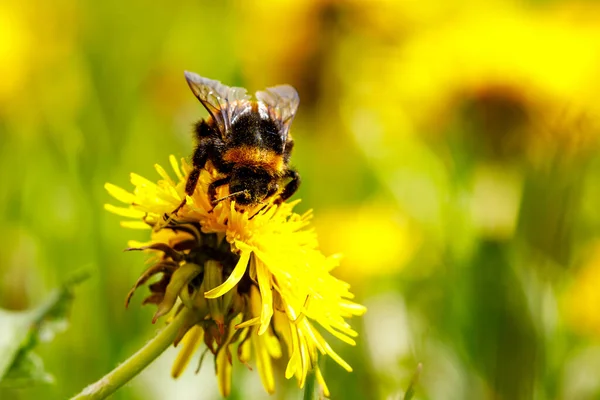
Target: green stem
[136, 363]
[309, 386]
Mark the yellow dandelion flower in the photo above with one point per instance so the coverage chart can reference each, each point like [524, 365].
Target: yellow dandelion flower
[254, 278]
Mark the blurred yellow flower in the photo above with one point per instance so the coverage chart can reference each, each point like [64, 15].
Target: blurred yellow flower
[582, 298]
[253, 277]
[374, 239]
[15, 42]
[23, 29]
[534, 66]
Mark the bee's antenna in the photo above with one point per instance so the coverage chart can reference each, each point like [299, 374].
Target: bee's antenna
[217, 201]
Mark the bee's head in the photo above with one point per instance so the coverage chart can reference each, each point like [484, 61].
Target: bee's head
[253, 185]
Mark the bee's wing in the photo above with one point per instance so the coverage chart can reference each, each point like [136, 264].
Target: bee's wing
[282, 102]
[223, 103]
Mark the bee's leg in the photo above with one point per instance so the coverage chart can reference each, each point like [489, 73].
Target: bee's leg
[190, 186]
[192, 181]
[212, 188]
[291, 187]
[199, 159]
[200, 155]
[272, 191]
[175, 211]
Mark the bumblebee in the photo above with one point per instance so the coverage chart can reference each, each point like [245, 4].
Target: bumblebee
[247, 141]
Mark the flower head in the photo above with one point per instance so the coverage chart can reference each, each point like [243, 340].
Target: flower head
[254, 278]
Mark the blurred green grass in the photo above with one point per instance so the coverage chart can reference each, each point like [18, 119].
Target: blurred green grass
[489, 185]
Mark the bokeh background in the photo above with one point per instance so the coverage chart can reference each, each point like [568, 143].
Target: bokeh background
[449, 150]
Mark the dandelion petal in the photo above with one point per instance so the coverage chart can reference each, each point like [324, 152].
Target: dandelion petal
[264, 284]
[124, 212]
[120, 194]
[175, 167]
[135, 225]
[191, 341]
[321, 381]
[234, 278]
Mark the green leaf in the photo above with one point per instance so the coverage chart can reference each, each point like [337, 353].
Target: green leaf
[20, 331]
[27, 370]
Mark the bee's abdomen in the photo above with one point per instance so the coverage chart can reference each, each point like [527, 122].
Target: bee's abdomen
[255, 156]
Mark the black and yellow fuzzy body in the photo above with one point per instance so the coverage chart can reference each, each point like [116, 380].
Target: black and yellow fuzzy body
[248, 142]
